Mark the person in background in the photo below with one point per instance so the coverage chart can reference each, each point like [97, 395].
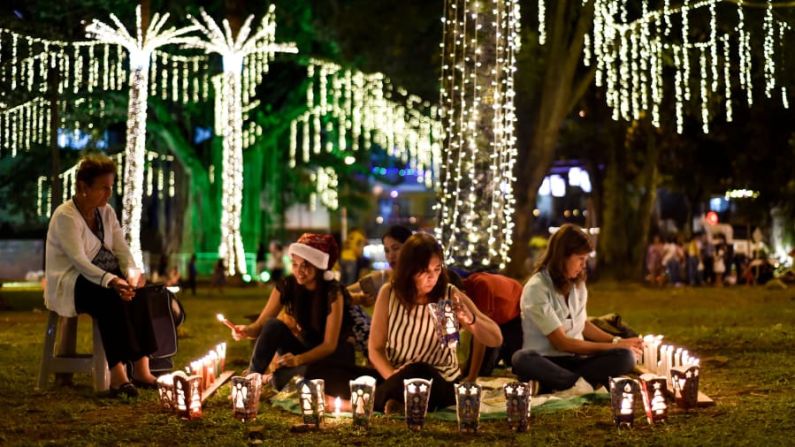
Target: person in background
[353, 263]
[707, 250]
[672, 258]
[498, 297]
[90, 269]
[219, 276]
[192, 273]
[276, 261]
[365, 290]
[560, 344]
[695, 266]
[403, 341]
[655, 271]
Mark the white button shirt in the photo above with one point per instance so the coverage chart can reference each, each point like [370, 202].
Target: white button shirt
[544, 309]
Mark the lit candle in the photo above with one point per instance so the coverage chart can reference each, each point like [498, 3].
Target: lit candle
[337, 406]
[226, 322]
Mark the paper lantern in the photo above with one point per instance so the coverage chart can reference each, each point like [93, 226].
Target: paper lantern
[467, 406]
[446, 322]
[518, 396]
[362, 395]
[622, 397]
[312, 397]
[165, 389]
[245, 396]
[416, 393]
[188, 391]
[653, 388]
[685, 382]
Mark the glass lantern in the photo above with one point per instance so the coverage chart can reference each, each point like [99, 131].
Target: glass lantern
[685, 382]
[188, 391]
[518, 396]
[245, 396]
[653, 388]
[312, 398]
[622, 398]
[362, 397]
[416, 393]
[446, 322]
[467, 405]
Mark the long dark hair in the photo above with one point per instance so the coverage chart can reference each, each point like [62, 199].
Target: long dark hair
[567, 241]
[415, 256]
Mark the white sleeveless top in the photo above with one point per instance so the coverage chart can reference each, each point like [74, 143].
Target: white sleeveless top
[412, 338]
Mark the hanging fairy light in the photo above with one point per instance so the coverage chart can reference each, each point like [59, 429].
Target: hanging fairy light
[476, 198]
[635, 50]
[140, 48]
[28, 71]
[229, 112]
[359, 110]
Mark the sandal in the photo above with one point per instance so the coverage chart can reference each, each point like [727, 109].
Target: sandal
[126, 389]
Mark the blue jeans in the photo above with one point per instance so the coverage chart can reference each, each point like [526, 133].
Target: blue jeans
[561, 372]
[693, 275]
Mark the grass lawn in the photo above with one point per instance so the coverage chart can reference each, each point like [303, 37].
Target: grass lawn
[744, 336]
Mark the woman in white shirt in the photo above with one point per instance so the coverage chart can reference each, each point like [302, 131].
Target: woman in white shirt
[560, 344]
[86, 255]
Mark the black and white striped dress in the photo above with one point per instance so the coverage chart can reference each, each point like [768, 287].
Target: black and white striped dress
[412, 338]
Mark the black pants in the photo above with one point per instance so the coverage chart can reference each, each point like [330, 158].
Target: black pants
[442, 391]
[511, 342]
[124, 326]
[336, 369]
[561, 372]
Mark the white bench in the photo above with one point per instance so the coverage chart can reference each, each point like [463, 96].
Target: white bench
[52, 363]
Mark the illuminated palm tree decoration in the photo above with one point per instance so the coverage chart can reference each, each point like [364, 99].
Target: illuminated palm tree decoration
[234, 51]
[140, 48]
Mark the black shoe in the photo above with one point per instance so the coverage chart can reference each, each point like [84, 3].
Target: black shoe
[126, 389]
[144, 385]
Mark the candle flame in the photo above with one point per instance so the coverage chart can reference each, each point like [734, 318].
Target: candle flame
[220, 317]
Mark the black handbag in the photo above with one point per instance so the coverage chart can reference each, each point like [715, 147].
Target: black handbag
[167, 314]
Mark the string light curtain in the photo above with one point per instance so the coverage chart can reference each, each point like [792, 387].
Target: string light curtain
[476, 198]
[349, 111]
[629, 53]
[140, 48]
[245, 59]
[36, 69]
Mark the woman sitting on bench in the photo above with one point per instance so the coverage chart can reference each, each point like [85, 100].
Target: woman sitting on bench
[86, 258]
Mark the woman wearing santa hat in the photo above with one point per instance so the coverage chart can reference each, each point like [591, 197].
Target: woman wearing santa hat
[314, 298]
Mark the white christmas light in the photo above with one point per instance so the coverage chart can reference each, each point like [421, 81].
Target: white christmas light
[634, 52]
[231, 98]
[476, 201]
[140, 48]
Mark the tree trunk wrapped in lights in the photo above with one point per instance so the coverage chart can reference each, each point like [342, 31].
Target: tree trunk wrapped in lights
[140, 50]
[229, 112]
[476, 201]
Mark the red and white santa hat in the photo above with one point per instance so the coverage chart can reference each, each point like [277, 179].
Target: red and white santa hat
[320, 250]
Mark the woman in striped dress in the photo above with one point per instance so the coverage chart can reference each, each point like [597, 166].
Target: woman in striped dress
[403, 342]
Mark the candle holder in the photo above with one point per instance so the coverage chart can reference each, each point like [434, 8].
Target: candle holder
[165, 389]
[416, 393]
[518, 397]
[622, 398]
[362, 395]
[312, 397]
[467, 406]
[188, 391]
[653, 389]
[446, 322]
[685, 382]
[245, 396]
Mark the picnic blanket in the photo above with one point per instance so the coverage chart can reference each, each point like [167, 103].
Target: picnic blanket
[492, 406]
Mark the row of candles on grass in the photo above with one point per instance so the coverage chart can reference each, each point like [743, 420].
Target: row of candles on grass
[416, 393]
[181, 391]
[668, 365]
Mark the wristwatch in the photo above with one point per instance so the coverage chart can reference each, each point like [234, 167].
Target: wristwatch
[616, 339]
